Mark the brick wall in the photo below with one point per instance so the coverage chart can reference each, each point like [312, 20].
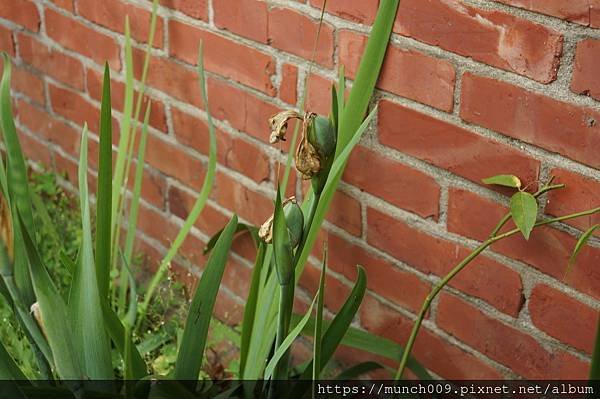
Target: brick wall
[469, 89]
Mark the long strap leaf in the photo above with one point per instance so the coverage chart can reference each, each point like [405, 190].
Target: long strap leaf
[104, 192]
[189, 356]
[54, 316]
[84, 299]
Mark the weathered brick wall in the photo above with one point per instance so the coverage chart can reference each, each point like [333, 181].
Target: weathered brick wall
[469, 89]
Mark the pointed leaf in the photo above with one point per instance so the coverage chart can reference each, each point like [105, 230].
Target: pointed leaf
[104, 191]
[84, 299]
[319, 319]
[523, 208]
[585, 237]
[355, 371]
[191, 350]
[282, 249]
[503, 180]
[595, 365]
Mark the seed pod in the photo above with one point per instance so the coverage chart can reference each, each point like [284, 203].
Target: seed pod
[294, 220]
[323, 137]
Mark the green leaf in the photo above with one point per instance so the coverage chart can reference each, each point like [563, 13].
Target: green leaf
[287, 343]
[8, 368]
[84, 299]
[104, 191]
[523, 208]
[54, 316]
[282, 249]
[319, 320]
[204, 192]
[503, 180]
[357, 370]
[250, 307]
[17, 183]
[189, 356]
[585, 237]
[368, 73]
[367, 342]
[240, 228]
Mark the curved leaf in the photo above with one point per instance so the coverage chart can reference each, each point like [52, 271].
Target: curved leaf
[503, 180]
[523, 208]
[189, 356]
[585, 237]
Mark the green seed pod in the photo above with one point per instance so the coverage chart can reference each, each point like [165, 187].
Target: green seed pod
[294, 219]
[322, 136]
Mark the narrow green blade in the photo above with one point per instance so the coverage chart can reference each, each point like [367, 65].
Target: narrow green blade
[84, 299]
[595, 366]
[104, 192]
[250, 307]
[287, 342]
[319, 320]
[357, 370]
[368, 73]
[8, 368]
[189, 356]
[202, 197]
[17, 183]
[54, 316]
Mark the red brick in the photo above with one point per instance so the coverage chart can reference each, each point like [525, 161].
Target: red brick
[22, 12]
[563, 317]
[157, 225]
[577, 11]
[235, 196]
[547, 250]
[28, 83]
[78, 37]
[66, 4]
[33, 148]
[595, 17]
[7, 42]
[486, 279]
[301, 39]
[247, 18]
[170, 77]
[492, 37]
[505, 344]
[233, 152]
[318, 94]
[244, 111]
[336, 292]
[57, 65]
[228, 310]
[43, 124]
[408, 73]
[473, 157]
[431, 350]
[158, 117]
[398, 184]
[194, 8]
[355, 10]
[111, 14]
[172, 160]
[223, 56]
[289, 84]
[237, 278]
[345, 212]
[543, 121]
[210, 220]
[585, 80]
[393, 283]
[74, 107]
[580, 193]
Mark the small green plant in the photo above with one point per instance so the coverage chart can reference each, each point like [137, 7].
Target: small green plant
[524, 213]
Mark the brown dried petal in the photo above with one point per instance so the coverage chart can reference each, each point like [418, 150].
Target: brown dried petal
[279, 124]
[307, 160]
[265, 232]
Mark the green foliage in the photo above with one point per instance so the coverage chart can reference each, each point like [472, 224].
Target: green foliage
[523, 208]
[503, 180]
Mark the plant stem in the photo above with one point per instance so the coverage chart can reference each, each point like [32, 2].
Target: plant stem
[439, 286]
[286, 304]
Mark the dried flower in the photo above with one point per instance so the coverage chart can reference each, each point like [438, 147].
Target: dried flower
[37, 314]
[279, 124]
